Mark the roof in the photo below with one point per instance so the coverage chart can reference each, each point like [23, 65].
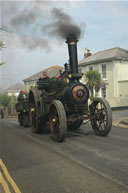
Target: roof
[15, 87]
[105, 55]
[51, 72]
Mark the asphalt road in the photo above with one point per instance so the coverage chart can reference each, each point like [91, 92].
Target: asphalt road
[84, 163]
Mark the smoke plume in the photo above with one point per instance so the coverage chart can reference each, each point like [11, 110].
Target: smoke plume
[62, 24]
[35, 23]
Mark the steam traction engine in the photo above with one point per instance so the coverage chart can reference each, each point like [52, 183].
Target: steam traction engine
[64, 102]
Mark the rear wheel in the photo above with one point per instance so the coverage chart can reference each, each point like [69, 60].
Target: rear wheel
[101, 116]
[25, 120]
[58, 121]
[35, 121]
[20, 119]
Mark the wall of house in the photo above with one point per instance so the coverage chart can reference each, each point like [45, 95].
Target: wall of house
[112, 80]
[116, 81]
[120, 97]
[123, 93]
[117, 92]
[109, 79]
[123, 70]
[83, 71]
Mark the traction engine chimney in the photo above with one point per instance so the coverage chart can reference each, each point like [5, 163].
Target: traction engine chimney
[72, 49]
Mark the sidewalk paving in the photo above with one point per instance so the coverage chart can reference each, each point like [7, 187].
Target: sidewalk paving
[123, 122]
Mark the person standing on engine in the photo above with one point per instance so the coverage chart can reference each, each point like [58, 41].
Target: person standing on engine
[44, 76]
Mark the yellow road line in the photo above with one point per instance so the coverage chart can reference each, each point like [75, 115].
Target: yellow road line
[4, 184]
[11, 181]
[118, 124]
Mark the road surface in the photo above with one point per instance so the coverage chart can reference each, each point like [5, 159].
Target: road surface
[84, 163]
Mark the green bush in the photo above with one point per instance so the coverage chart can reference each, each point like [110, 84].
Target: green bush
[4, 99]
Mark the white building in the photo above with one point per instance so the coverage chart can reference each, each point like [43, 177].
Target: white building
[14, 90]
[113, 66]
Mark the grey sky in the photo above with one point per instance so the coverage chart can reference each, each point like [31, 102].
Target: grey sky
[103, 24]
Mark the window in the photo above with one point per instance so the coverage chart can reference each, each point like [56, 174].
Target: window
[104, 74]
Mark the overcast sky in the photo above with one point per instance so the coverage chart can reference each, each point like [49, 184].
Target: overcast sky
[30, 31]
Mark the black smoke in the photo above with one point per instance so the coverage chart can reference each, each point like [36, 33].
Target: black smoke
[62, 24]
[35, 23]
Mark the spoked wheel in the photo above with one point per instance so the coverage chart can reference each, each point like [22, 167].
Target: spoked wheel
[58, 121]
[25, 120]
[36, 124]
[101, 116]
[20, 119]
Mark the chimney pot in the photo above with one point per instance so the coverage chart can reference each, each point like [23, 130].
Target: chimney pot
[87, 53]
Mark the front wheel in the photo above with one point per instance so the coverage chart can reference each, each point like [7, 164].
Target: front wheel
[101, 116]
[58, 121]
[35, 121]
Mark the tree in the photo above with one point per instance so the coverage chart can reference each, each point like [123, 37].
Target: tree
[1, 48]
[11, 105]
[94, 81]
[4, 99]
[1, 45]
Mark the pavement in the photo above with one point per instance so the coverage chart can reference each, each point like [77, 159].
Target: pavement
[84, 163]
[123, 122]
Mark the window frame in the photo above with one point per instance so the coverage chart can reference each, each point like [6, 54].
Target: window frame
[102, 73]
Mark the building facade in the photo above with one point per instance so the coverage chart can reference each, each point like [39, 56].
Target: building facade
[14, 90]
[113, 66]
